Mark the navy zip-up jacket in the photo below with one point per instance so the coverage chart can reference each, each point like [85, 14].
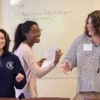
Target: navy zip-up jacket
[10, 66]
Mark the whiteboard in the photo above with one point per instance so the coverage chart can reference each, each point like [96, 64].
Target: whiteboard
[61, 22]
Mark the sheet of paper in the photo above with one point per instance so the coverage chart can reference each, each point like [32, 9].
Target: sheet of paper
[50, 56]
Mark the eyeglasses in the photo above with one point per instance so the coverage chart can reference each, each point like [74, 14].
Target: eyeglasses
[36, 31]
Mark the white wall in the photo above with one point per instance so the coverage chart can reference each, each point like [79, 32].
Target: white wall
[96, 4]
[54, 87]
[57, 87]
[0, 14]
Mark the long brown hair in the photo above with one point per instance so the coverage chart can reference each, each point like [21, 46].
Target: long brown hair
[95, 16]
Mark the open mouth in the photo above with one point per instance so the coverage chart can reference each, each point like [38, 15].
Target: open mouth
[38, 37]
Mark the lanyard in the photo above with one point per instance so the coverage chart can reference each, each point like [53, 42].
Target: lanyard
[98, 66]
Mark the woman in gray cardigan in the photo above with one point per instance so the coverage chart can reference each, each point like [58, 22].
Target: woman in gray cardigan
[84, 54]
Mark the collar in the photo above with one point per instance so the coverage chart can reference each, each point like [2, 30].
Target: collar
[96, 45]
[5, 53]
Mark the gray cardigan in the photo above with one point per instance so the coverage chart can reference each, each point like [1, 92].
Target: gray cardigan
[85, 55]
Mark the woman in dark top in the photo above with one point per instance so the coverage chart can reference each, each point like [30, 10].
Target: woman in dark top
[11, 70]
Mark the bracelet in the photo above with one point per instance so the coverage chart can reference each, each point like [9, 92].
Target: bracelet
[53, 64]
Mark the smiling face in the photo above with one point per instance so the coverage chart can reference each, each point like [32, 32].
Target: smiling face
[34, 35]
[2, 40]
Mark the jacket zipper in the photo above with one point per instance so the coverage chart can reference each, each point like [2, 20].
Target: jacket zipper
[0, 62]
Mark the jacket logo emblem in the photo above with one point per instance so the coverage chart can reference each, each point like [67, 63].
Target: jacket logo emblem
[9, 65]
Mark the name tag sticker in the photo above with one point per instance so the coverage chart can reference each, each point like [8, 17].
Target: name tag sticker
[87, 47]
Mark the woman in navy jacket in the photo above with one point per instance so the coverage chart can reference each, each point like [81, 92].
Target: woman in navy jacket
[11, 70]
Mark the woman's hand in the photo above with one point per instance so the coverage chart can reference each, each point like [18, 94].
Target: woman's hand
[19, 77]
[66, 67]
[40, 62]
[57, 56]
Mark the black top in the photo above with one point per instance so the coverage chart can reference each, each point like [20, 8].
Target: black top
[10, 66]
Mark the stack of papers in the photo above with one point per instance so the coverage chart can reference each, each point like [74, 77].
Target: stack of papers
[50, 56]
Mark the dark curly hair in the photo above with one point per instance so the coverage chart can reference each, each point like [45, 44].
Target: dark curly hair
[95, 16]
